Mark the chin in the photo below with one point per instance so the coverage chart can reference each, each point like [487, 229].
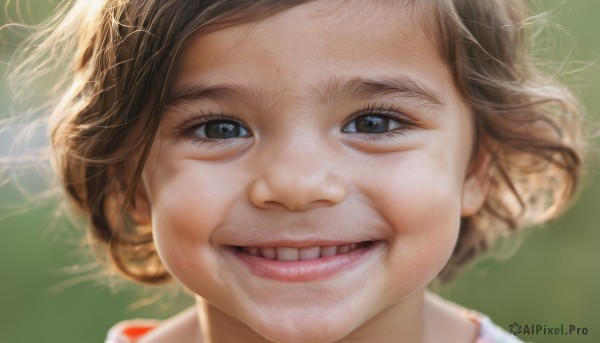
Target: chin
[314, 327]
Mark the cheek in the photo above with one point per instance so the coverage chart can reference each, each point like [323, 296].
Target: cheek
[416, 188]
[418, 194]
[188, 203]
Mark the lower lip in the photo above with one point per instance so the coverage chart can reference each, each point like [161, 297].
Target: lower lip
[307, 270]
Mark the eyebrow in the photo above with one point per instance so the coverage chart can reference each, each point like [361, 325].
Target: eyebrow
[334, 90]
[403, 86]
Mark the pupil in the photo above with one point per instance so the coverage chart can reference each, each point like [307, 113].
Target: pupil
[222, 130]
[372, 124]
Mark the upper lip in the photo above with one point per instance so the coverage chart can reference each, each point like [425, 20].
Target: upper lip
[346, 223]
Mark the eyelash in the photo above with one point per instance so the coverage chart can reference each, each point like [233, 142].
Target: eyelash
[187, 128]
[195, 120]
[388, 112]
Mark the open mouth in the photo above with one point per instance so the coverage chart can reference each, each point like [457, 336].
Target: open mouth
[303, 263]
[290, 254]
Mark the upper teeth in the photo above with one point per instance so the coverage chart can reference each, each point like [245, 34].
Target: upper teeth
[299, 254]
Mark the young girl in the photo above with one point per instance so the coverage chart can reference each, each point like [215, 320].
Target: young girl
[306, 168]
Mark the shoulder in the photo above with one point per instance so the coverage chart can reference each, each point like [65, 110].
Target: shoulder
[459, 324]
[181, 328]
[490, 332]
[130, 331]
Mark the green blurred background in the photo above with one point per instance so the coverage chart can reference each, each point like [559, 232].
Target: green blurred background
[47, 294]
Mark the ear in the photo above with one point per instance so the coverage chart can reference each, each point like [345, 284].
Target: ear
[140, 209]
[477, 182]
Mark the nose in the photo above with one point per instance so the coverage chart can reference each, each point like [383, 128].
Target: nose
[297, 183]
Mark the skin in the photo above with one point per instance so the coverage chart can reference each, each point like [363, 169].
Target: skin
[302, 173]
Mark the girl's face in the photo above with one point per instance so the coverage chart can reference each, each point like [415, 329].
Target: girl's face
[311, 170]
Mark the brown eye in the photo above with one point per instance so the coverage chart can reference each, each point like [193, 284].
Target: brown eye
[371, 124]
[221, 129]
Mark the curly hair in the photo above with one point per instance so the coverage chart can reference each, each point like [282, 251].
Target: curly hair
[124, 56]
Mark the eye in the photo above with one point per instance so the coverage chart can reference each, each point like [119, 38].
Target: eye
[372, 123]
[221, 129]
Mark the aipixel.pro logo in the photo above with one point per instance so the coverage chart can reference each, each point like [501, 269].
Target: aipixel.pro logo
[547, 330]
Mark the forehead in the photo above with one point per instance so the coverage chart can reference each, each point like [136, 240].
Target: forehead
[315, 41]
[407, 18]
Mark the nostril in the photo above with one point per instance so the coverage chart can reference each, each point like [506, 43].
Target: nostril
[272, 204]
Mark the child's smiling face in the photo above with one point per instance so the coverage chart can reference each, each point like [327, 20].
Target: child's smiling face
[328, 125]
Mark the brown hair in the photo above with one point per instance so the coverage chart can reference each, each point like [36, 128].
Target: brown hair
[124, 62]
